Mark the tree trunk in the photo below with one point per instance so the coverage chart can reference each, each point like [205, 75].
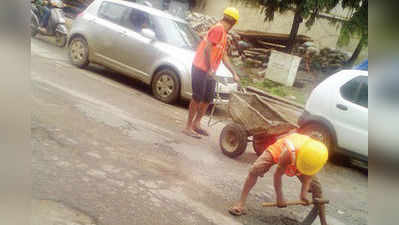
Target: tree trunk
[294, 29]
[198, 4]
[356, 53]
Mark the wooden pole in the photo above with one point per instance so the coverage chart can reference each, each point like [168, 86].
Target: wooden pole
[315, 202]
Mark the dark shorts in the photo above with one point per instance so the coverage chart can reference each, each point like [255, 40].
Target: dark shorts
[203, 87]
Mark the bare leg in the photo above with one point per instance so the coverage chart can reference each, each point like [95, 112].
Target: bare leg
[249, 184]
[192, 111]
[317, 192]
[203, 106]
[258, 169]
[315, 188]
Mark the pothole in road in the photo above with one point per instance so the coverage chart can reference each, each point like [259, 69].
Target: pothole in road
[47, 212]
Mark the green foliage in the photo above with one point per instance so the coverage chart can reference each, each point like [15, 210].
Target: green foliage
[357, 24]
[308, 9]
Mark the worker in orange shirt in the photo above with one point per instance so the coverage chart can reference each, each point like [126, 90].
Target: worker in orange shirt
[211, 51]
[295, 155]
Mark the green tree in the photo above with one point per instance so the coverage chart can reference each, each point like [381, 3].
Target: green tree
[355, 26]
[304, 10]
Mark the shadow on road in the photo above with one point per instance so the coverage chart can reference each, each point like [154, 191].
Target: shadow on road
[356, 166]
[130, 82]
[47, 40]
[220, 114]
[248, 157]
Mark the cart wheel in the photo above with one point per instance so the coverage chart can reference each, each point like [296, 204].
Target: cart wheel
[233, 140]
[261, 142]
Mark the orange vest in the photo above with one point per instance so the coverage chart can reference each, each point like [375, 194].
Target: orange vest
[297, 140]
[216, 54]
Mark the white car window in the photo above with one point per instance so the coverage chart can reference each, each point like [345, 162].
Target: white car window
[363, 97]
[356, 91]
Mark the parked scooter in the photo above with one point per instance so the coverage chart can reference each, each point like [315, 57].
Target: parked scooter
[56, 23]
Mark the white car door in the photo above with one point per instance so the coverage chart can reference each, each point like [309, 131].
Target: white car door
[350, 113]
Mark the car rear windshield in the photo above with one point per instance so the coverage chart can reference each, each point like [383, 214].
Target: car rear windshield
[178, 34]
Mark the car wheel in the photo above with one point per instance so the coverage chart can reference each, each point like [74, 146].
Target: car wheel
[233, 140]
[34, 26]
[166, 86]
[320, 133]
[79, 52]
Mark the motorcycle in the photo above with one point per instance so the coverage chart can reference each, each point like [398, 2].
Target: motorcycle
[56, 23]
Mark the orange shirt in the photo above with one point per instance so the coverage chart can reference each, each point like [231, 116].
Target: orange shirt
[217, 36]
[277, 149]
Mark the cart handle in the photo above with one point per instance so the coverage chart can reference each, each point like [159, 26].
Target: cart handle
[293, 203]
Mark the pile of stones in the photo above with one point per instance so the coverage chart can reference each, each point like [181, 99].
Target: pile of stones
[326, 60]
[200, 22]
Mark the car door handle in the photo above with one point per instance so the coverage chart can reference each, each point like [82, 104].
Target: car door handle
[342, 107]
[123, 33]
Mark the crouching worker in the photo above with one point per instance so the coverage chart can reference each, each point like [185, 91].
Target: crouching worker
[295, 155]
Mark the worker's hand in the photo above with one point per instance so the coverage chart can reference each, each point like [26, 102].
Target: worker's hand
[236, 77]
[281, 203]
[305, 200]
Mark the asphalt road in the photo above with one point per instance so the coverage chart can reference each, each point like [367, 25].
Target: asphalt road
[103, 146]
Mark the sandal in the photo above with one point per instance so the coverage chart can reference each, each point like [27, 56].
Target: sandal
[191, 134]
[237, 211]
[201, 131]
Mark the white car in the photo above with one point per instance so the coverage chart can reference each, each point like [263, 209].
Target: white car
[337, 114]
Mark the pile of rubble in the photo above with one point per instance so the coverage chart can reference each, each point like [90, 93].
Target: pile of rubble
[199, 22]
[255, 47]
[326, 60]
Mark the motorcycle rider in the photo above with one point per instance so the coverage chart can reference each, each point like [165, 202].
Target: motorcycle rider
[44, 12]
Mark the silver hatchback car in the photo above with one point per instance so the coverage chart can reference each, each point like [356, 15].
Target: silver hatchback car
[142, 42]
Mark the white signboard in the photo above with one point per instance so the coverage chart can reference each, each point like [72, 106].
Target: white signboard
[282, 68]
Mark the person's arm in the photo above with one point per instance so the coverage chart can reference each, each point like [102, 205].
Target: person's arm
[229, 66]
[207, 52]
[282, 166]
[307, 180]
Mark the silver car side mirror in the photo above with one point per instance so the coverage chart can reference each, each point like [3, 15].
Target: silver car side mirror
[148, 33]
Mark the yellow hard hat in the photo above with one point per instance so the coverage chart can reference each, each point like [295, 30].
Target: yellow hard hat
[233, 12]
[312, 157]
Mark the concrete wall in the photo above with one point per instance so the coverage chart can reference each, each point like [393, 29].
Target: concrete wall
[322, 32]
